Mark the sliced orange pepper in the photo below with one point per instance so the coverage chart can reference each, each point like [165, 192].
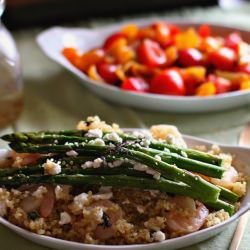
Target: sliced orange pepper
[171, 54]
[93, 74]
[146, 32]
[206, 89]
[130, 31]
[198, 73]
[187, 39]
[89, 58]
[71, 54]
[245, 85]
[209, 44]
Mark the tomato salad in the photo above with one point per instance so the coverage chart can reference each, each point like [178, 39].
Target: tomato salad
[164, 59]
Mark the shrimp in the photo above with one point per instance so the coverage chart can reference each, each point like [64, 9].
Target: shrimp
[230, 176]
[187, 216]
[24, 159]
[44, 205]
[113, 214]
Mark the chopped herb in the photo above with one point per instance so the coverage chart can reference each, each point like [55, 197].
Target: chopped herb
[33, 215]
[106, 221]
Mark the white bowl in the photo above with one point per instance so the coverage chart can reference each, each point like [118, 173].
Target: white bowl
[53, 40]
[242, 159]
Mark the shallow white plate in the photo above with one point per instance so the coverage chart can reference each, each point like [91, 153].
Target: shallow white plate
[242, 160]
[53, 40]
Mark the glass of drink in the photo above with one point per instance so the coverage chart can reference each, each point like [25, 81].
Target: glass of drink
[11, 99]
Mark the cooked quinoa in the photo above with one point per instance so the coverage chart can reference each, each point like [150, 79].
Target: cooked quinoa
[104, 214]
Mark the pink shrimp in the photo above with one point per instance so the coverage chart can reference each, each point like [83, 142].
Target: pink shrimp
[44, 205]
[102, 232]
[230, 176]
[23, 159]
[187, 216]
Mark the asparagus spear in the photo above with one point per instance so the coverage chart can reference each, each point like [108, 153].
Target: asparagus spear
[78, 136]
[209, 191]
[162, 185]
[186, 163]
[219, 204]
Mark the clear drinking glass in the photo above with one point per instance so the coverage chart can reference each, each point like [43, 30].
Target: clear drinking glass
[11, 99]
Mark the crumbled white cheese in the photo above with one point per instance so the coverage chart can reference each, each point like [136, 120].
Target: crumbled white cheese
[62, 192]
[97, 163]
[97, 142]
[97, 133]
[104, 196]
[140, 167]
[87, 164]
[52, 168]
[71, 153]
[3, 208]
[116, 163]
[143, 134]
[113, 136]
[92, 164]
[145, 142]
[159, 236]
[80, 200]
[157, 157]
[99, 213]
[40, 192]
[65, 218]
[144, 168]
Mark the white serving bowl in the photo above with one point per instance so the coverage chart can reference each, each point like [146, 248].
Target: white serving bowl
[53, 40]
[242, 161]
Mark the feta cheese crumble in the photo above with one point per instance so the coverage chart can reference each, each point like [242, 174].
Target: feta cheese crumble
[65, 218]
[52, 168]
[80, 200]
[113, 136]
[159, 236]
[97, 133]
[97, 142]
[71, 153]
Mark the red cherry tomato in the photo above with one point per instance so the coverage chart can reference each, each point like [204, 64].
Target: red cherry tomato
[233, 40]
[222, 85]
[107, 72]
[204, 30]
[168, 82]
[151, 54]
[112, 39]
[135, 84]
[174, 29]
[190, 57]
[223, 58]
[244, 68]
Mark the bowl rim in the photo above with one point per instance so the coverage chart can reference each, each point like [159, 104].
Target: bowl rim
[243, 209]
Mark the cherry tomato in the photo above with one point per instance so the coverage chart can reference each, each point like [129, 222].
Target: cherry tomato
[190, 57]
[151, 54]
[223, 58]
[112, 39]
[168, 82]
[244, 68]
[233, 40]
[162, 32]
[204, 30]
[174, 29]
[135, 84]
[222, 85]
[107, 72]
